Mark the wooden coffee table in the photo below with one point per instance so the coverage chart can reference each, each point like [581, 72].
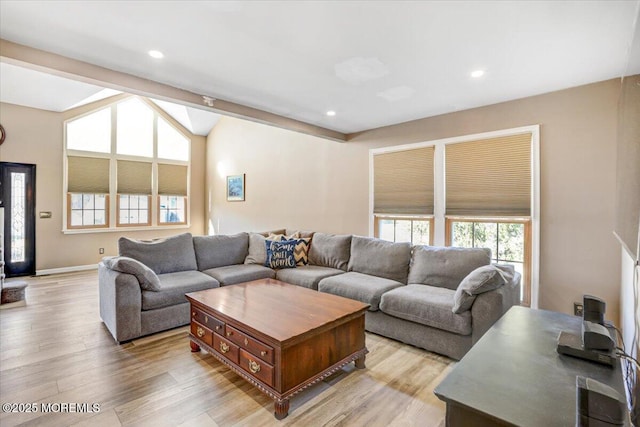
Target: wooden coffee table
[281, 338]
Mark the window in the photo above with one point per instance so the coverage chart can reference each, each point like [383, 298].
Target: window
[416, 231]
[508, 240]
[172, 210]
[88, 210]
[127, 152]
[474, 191]
[133, 209]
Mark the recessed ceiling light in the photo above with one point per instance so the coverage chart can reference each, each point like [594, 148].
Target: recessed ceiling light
[477, 73]
[156, 54]
[331, 113]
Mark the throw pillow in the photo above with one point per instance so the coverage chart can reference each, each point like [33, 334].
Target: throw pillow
[482, 279]
[301, 251]
[280, 254]
[146, 277]
[257, 251]
[280, 237]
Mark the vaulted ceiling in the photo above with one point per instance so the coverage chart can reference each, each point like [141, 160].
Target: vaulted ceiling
[374, 63]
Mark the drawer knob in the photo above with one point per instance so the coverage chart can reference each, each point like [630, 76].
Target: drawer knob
[200, 332]
[263, 353]
[229, 334]
[224, 347]
[246, 341]
[206, 319]
[193, 314]
[218, 328]
[254, 367]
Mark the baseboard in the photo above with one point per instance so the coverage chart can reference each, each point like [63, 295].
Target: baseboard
[66, 269]
[13, 304]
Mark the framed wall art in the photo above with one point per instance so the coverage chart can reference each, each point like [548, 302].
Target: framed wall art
[235, 188]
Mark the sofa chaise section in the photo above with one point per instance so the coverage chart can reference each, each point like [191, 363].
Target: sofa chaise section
[142, 290]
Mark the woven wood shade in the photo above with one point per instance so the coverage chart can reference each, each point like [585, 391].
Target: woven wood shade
[403, 182]
[489, 177]
[134, 177]
[87, 175]
[172, 180]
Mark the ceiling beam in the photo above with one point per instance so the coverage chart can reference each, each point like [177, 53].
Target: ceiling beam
[51, 63]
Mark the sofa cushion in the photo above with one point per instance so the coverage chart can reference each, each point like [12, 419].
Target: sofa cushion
[329, 250]
[239, 273]
[281, 236]
[173, 286]
[358, 286]
[280, 254]
[380, 258]
[445, 267]
[307, 275]
[427, 305]
[482, 279]
[146, 277]
[166, 255]
[220, 250]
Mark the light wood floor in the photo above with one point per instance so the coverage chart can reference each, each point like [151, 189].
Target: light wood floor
[56, 350]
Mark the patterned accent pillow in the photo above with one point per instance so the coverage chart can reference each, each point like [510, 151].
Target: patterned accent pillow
[280, 254]
[301, 252]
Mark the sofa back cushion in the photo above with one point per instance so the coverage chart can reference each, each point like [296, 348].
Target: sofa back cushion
[445, 266]
[166, 255]
[221, 250]
[380, 258]
[329, 250]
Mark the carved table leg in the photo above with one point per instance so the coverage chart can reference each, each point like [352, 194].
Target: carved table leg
[360, 362]
[194, 347]
[282, 409]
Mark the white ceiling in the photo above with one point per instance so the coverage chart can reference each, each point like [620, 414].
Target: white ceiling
[375, 63]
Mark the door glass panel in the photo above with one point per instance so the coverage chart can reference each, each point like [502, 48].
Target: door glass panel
[18, 216]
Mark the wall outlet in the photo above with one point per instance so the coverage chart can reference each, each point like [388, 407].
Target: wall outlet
[577, 308]
[101, 251]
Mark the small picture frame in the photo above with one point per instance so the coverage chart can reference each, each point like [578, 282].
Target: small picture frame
[235, 188]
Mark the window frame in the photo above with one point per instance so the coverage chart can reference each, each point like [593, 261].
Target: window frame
[88, 227]
[439, 213]
[137, 224]
[429, 218]
[112, 214]
[526, 262]
[165, 224]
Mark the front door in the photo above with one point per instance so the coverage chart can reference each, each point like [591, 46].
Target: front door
[17, 203]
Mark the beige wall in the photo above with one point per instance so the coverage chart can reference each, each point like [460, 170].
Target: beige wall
[35, 136]
[298, 181]
[292, 180]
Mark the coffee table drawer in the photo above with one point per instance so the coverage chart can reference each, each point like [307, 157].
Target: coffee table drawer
[207, 320]
[225, 348]
[202, 332]
[257, 368]
[250, 344]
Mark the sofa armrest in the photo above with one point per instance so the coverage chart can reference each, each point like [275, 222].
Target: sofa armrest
[120, 303]
[488, 307]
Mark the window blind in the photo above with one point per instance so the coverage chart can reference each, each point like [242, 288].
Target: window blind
[172, 180]
[87, 175]
[134, 177]
[403, 182]
[489, 177]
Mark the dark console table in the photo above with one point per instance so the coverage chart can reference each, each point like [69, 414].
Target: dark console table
[514, 376]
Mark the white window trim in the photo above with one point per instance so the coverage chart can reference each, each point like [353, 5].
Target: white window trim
[440, 189]
[113, 158]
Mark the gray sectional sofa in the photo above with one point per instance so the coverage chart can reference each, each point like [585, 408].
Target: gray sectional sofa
[439, 299]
